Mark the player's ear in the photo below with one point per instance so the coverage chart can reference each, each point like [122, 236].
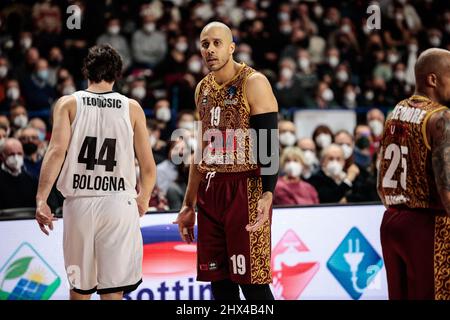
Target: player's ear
[432, 80]
[232, 47]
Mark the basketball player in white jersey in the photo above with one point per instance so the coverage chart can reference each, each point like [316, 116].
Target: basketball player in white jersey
[100, 130]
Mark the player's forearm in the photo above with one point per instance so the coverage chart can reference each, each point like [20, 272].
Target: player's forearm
[50, 169]
[190, 198]
[147, 179]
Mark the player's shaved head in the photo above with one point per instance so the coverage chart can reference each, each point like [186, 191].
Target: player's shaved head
[218, 28]
[432, 72]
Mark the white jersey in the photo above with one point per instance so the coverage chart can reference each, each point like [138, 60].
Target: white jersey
[100, 158]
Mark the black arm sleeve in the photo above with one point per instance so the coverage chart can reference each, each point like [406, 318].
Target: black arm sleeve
[268, 150]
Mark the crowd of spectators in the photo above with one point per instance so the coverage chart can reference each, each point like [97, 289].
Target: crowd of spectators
[316, 54]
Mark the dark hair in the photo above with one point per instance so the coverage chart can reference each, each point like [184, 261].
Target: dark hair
[103, 62]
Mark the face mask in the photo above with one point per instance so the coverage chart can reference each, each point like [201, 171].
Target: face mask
[181, 46]
[327, 94]
[303, 63]
[348, 151]
[400, 75]
[435, 41]
[149, 27]
[250, 14]
[138, 93]
[163, 114]
[20, 121]
[392, 58]
[26, 43]
[293, 169]
[346, 28]
[29, 148]
[342, 76]
[14, 162]
[323, 140]
[188, 125]
[399, 16]
[369, 95]
[283, 16]
[350, 96]
[68, 90]
[3, 71]
[334, 168]
[318, 11]
[413, 47]
[286, 29]
[244, 57]
[287, 73]
[333, 61]
[362, 160]
[42, 74]
[310, 158]
[195, 66]
[265, 4]
[152, 140]
[114, 30]
[377, 127]
[287, 139]
[41, 135]
[191, 143]
[13, 93]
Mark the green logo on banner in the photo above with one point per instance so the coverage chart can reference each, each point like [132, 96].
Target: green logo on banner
[27, 276]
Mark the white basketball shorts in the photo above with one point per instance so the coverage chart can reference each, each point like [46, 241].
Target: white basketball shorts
[102, 244]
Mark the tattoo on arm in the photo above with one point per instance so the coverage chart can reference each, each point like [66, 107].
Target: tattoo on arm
[441, 156]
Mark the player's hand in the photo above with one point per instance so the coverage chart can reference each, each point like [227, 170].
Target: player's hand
[263, 209]
[142, 201]
[44, 217]
[186, 222]
[352, 172]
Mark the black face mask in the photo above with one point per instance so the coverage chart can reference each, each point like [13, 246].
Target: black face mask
[29, 148]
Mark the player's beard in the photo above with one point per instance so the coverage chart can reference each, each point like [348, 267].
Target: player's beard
[219, 68]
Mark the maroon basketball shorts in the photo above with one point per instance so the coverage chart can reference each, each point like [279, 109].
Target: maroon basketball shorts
[416, 251]
[227, 202]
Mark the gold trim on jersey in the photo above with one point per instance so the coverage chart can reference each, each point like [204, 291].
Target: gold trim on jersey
[442, 258]
[260, 241]
[244, 92]
[424, 125]
[221, 86]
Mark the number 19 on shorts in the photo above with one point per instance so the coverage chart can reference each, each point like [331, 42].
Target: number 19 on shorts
[238, 262]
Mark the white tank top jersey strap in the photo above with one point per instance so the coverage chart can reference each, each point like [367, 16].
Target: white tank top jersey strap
[100, 157]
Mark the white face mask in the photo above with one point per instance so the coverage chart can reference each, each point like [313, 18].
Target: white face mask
[323, 140]
[13, 93]
[14, 162]
[310, 158]
[376, 126]
[283, 16]
[350, 96]
[3, 71]
[138, 93]
[413, 47]
[342, 76]
[287, 139]
[163, 114]
[244, 57]
[303, 64]
[149, 27]
[400, 75]
[26, 42]
[250, 14]
[327, 94]
[346, 28]
[181, 46]
[21, 121]
[334, 168]
[287, 73]
[435, 41]
[188, 125]
[293, 169]
[68, 90]
[195, 66]
[348, 150]
[333, 61]
[114, 30]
